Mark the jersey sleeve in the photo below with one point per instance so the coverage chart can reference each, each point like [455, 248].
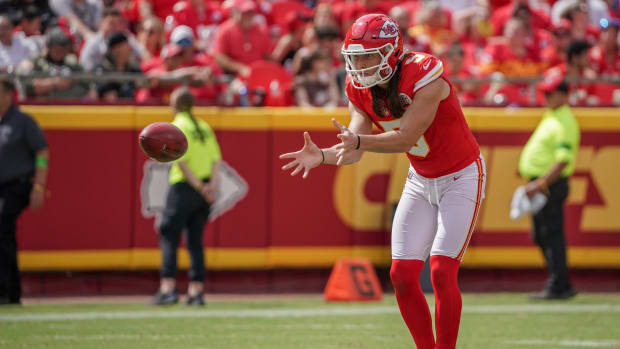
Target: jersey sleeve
[420, 69]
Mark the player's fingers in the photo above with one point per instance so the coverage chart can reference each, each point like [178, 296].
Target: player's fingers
[339, 161]
[307, 139]
[289, 155]
[339, 125]
[339, 146]
[290, 165]
[306, 173]
[297, 170]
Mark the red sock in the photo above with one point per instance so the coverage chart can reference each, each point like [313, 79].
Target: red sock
[448, 302]
[405, 276]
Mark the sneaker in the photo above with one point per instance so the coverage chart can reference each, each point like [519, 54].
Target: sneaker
[197, 300]
[548, 295]
[161, 298]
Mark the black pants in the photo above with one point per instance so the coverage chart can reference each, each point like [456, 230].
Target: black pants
[14, 198]
[548, 233]
[185, 210]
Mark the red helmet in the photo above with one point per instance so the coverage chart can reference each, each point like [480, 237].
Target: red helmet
[372, 34]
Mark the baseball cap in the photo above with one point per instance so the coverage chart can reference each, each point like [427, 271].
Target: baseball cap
[170, 50]
[57, 37]
[182, 35]
[552, 83]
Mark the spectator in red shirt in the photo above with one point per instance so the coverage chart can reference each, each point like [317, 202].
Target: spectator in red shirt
[202, 16]
[432, 28]
[581, 29]
[158, 8]
[605, 57]
[605, 54]
[537, 38]
[473, 28]
[355, 9]
[403, 18]
[206, 72]
[577, 66]
[502, 15]
[556, 53]
[454, 59]
[151, 37]
[240, 41]
[509, 56]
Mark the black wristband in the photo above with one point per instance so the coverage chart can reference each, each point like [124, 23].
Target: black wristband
[358, 142]
[322, 155]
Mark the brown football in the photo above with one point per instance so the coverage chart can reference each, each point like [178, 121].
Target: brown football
[162, 141]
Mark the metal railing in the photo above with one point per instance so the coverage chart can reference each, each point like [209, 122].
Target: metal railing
[144, 81]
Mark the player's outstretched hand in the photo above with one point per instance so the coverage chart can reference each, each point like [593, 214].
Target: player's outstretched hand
[349, 142]
[305, 159]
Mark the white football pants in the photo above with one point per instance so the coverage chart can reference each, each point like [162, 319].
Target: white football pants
[438, 215]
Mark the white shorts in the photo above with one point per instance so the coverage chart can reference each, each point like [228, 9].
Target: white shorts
[438, 215]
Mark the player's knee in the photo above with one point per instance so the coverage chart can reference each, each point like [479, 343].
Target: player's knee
[444, 272]
[405, 274]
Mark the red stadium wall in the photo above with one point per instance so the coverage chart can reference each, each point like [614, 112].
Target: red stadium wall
[93, 221]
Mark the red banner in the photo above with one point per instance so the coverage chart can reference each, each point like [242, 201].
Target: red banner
[94, 220]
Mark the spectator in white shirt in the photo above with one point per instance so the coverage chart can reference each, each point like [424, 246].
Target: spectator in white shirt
[14, 48]
[95, 48]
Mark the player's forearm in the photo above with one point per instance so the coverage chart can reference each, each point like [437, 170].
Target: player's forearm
[350, 157]
[389, 142]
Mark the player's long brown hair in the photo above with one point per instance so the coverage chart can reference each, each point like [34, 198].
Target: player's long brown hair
[393, 101]
[183, 101]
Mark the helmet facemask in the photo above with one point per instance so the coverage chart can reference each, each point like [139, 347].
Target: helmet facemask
[359, 78]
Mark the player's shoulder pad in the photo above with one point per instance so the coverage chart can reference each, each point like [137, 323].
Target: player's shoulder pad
[421, 68]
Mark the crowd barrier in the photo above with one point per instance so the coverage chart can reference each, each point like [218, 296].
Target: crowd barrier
[93, 219]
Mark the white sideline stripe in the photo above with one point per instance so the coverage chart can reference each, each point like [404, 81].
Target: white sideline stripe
[272, 313]
[568, 343]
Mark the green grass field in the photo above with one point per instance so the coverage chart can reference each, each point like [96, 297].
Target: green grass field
[307, 322]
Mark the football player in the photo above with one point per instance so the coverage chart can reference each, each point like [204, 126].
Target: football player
[407, 96]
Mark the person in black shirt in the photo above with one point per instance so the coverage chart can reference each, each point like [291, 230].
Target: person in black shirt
[23, 173]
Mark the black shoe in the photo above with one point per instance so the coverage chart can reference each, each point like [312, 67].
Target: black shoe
[161, 298]
[197, 300]
[548, 295]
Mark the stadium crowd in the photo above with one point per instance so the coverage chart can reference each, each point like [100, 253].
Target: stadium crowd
[280, 53]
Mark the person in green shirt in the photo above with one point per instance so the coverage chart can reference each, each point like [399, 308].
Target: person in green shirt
[193, 189]
[547, 162]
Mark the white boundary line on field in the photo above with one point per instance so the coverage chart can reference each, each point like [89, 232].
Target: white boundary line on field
[568, 343]
[273, 313]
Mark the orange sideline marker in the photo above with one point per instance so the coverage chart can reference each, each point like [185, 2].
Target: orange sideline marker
[353, 279]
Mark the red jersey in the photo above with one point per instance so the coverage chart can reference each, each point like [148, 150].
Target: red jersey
[447, 145]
